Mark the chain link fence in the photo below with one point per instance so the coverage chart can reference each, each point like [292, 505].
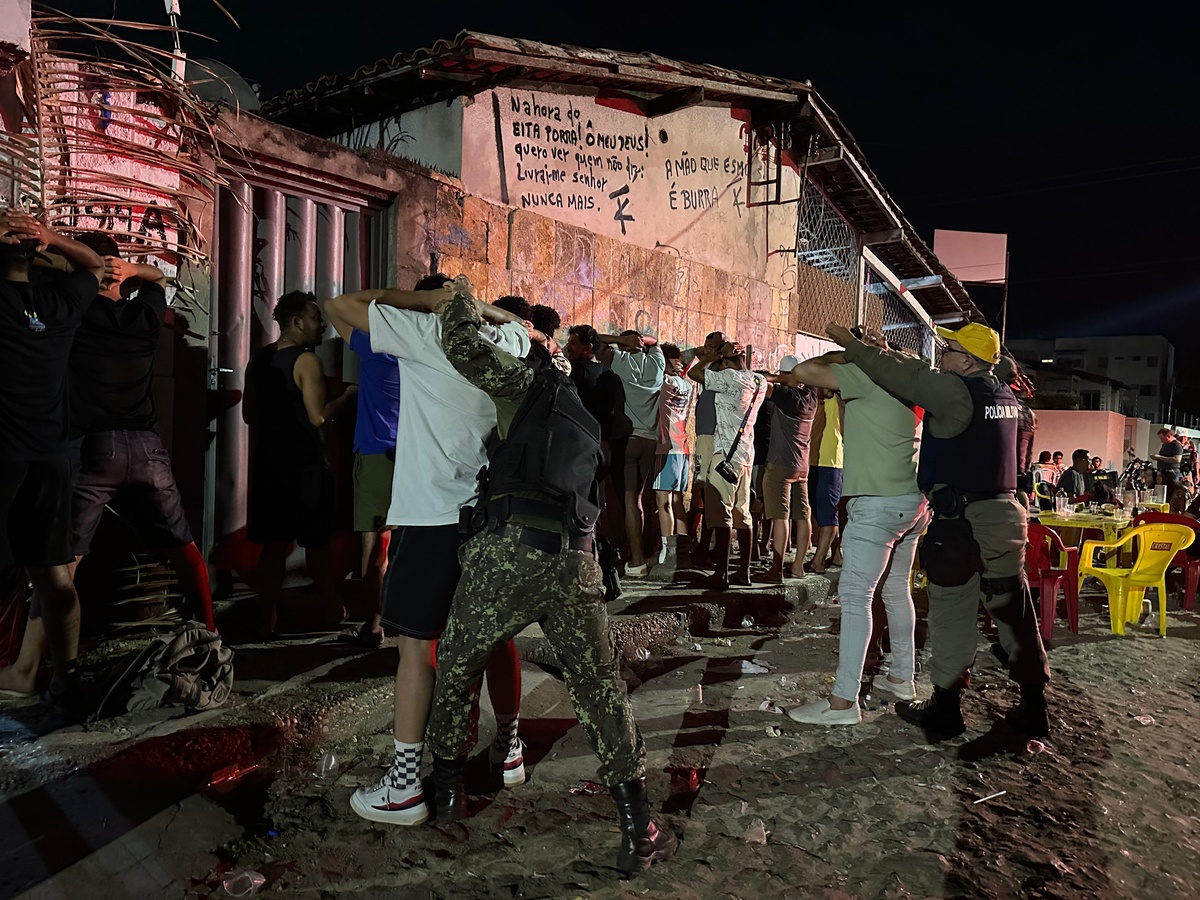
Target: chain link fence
[827, 256]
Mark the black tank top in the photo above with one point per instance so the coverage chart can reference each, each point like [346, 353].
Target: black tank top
[283, 434]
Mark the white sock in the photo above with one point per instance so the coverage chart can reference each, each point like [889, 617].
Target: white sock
[506, 731]
[406, 764]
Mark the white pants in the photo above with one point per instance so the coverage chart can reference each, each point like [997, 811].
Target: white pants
[878, 545]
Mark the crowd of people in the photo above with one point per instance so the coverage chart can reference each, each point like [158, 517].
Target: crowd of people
[1175, 468]
[501, 479]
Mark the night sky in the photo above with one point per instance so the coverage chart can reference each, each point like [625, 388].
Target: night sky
[1075, 134]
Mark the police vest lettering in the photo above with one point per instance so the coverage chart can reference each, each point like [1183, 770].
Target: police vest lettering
[1001, 412]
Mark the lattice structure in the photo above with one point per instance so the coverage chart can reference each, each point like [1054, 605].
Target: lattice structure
[902, 327]
[827, 256]
[824, 240]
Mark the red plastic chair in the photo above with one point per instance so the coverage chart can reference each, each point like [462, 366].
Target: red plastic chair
[1048, 563]
[1189, 564]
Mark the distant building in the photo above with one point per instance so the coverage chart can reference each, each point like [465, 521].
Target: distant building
[1130, 374]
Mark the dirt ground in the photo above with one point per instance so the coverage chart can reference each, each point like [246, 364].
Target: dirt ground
[1106, 808]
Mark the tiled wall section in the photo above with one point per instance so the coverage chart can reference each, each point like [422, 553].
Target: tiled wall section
[612, 285]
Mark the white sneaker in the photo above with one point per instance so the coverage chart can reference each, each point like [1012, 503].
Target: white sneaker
[511, 765]
[637, 571]
[905, 690]
[391, 805]
[821, 713]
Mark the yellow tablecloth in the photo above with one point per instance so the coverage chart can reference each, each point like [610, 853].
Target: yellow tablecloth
[1112, 527]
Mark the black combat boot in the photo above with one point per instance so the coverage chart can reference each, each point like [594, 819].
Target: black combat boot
[450, 793]
[939, 717]
[643, 840]
[1030, 716]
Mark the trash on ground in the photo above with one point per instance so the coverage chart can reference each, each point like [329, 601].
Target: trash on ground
[1144, 720]
[696, 695]
[756, 833]
[326, 767]
[641, 653]
[773, 731]
[990, 797]
[226, 778]
[750, 667]
[243, 882]
[586, 788]
[1035, 747]
[768, 707]
[722, 642]
[747, 621]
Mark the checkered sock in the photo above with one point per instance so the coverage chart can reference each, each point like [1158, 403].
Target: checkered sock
[506, 731]
[406, 765]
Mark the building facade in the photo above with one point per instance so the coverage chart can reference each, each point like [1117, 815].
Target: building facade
[1130, 374]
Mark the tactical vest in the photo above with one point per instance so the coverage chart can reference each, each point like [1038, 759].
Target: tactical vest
[982, 460]
[547, 464]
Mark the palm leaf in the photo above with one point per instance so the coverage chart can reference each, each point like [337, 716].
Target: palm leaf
[112, 140]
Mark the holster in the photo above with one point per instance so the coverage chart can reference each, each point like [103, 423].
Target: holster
[948, 551]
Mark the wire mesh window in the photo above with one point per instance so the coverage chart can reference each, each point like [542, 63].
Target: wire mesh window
[823, 239]
[827, 256]
[900, 325]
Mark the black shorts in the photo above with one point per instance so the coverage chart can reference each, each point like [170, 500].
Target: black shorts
[422, 576]
[35, 513]
[290, 504]
[133, 469]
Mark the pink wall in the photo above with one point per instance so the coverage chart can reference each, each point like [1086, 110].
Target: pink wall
[1101, 433]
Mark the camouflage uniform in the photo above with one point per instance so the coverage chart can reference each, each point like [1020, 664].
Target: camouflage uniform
[506, 585]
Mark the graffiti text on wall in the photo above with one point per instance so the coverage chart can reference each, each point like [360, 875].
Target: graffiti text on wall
[565, 161]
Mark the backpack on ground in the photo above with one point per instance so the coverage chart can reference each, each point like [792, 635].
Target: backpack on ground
[190, 668]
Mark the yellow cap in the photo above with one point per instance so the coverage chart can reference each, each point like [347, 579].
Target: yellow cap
[976, 339]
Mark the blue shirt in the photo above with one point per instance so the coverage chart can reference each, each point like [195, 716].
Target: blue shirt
[378, 398]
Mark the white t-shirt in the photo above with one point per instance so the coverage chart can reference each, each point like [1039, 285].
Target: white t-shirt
[642, 375]
[674, 404]
[443, 419]
[734, 389]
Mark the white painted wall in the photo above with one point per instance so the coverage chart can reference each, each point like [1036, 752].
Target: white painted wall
[14, 23]
[1100, 433]
[675, 182]
[430, 136]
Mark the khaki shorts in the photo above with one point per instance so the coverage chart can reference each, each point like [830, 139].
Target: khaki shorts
[703, 457]
[785, 493]
[372, 491]
[727, 504]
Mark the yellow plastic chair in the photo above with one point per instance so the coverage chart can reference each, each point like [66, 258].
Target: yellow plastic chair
[1157, 545]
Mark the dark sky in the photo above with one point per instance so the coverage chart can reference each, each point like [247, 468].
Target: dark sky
[1075, 134]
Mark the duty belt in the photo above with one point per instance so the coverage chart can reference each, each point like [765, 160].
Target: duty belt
[1003, 495]
[553, 541]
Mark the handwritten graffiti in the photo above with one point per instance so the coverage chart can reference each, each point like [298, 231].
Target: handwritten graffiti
[141, 222]
[643, 322]
[622, 204]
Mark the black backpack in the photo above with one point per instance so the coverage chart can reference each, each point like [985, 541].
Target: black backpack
[552, 449]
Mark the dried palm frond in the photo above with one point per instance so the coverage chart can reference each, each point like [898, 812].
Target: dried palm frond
[112, 142]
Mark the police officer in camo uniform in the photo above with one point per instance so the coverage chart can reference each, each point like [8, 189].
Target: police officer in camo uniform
[534, 561]
[975, 546]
